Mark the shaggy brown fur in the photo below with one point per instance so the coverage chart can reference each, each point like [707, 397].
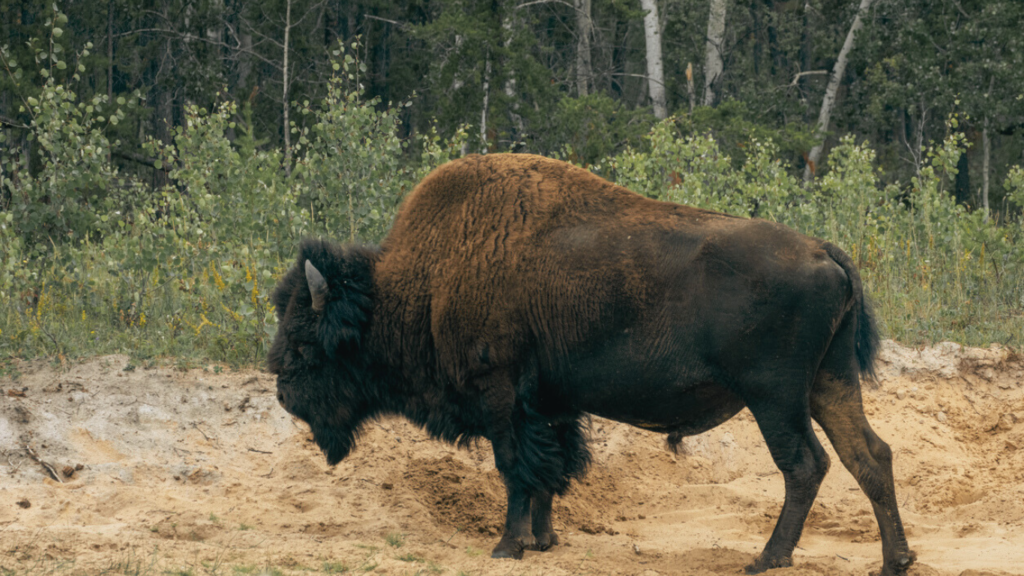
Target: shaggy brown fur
[516, 294]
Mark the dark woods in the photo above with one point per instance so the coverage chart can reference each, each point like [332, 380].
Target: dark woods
[547, 76]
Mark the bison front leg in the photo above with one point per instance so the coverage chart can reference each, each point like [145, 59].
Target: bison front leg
[528, 456]
[518, 535]
[543, 531]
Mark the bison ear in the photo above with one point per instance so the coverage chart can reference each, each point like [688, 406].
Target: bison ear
[318, 288]
[346, 313]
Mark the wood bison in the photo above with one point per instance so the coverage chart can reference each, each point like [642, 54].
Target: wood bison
[517, 294]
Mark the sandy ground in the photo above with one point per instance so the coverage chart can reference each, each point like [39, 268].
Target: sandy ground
[202, 473]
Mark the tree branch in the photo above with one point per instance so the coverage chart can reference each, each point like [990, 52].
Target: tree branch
[5, 121]
[808, 73]
[133, 157]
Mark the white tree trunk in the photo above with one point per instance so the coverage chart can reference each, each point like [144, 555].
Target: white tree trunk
[245, 59]
[713, 53]
[655, 70]
[584, 30]
[510, 85]
[483, 114]
[284, 91]
[830, 91]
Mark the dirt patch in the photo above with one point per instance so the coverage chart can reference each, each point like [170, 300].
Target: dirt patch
[203, 473]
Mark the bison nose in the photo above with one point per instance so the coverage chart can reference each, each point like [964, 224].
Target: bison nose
[280, 398]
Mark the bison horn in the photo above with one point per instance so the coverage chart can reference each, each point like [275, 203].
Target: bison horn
[317, 287]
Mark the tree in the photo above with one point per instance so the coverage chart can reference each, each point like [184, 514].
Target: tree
[655, 70]
[713, 65]
[838, 71]
[584, 30]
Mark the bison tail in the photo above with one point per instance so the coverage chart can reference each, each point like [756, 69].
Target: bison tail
[867, 339]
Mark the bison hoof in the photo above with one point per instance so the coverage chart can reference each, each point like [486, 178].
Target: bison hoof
[510, 547]
[762, 564]
[545, 541]
[900, 566]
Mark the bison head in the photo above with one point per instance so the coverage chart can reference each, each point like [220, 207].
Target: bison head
[323, 308]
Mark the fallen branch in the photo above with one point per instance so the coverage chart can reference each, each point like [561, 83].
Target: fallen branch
[259, 451]
[196, 426]
[49, 469]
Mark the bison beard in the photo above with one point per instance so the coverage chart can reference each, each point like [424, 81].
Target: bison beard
[515, 295]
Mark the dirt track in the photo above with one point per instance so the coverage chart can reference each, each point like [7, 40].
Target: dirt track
[198, 473]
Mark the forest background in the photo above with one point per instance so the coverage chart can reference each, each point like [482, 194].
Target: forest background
[160, 159]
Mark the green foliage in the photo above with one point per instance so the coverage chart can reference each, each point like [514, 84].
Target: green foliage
[591, 128]
[937, 271]
[352, 163]
[95, 261]
[182, 263]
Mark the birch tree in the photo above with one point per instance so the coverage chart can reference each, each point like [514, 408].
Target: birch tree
[584, 30]
[713, 53]
[828, 102]
[655, 69]
[510, 81]
[486, 88]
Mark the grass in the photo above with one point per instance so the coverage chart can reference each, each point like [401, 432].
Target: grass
[394, 539]
[334, 568]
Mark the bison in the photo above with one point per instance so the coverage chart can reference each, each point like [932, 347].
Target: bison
[516, 294]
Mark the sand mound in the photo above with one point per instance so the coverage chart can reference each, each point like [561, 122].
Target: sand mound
[163, 471]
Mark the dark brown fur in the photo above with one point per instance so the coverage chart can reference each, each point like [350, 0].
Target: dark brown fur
[516, 294]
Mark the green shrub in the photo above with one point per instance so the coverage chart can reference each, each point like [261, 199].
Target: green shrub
[95, 261]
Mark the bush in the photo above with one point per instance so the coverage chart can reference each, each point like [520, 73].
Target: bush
[936, 271]
[96, 261]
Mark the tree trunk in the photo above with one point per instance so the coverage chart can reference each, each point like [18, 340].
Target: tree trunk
[584, 30]
[510, 85]
[773, 39]
[986, 154]
[655, 70]
[755, 17]
[483, 113]
[110, 51]
[245, 60]
[689, 85]
[284, 90]
[713, 52]
[805, 43]
[830, 91]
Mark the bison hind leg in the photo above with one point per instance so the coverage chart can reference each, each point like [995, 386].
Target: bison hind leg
[836, 405]
[786, 427]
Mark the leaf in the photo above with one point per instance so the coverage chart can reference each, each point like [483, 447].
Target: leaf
[57, 32]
